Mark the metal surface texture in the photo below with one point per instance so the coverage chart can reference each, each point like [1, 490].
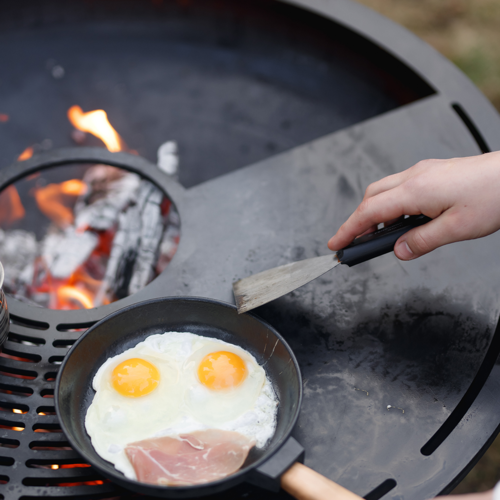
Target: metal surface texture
[399, 360]
[261, 288]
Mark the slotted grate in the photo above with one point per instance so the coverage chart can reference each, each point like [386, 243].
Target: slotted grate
[35, 452]
[35, 457]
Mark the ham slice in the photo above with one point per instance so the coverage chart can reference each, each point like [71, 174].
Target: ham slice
[194, 458]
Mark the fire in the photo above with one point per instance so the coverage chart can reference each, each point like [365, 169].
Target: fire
[52, 200]
[26, 154]
[11, 208]
[72, 293]
[97, 123]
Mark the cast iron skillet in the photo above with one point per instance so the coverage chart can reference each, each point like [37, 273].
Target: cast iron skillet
[271, 467]
[125, 328]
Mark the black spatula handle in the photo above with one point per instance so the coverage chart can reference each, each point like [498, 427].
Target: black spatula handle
[379, 242]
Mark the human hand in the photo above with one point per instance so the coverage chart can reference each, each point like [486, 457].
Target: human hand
[461, 195]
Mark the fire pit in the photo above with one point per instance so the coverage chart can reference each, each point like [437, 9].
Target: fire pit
[282, 113]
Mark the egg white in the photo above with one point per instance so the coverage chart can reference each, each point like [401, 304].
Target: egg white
[180, 403]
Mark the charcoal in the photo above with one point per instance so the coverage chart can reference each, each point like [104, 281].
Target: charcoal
[111, 191]
[150, 199]
[129, 208]
[65, 251]
[18, 249]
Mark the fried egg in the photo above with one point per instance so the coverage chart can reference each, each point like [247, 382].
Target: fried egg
[174, 383]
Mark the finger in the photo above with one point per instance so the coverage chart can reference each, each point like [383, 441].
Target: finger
[385, 184]
[395, 180]
[371, 212]
[421, 240]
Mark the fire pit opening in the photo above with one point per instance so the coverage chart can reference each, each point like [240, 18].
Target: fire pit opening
[83, 235]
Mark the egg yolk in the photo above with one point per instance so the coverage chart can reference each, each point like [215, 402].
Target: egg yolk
[135, 377]
[222, 370]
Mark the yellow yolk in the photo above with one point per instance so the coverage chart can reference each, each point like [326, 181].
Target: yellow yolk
[135, 377]
[221, 370]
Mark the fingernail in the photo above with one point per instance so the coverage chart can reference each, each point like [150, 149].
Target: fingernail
[403, 251]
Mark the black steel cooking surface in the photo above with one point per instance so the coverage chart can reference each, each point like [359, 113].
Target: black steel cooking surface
[231, 82]
[399, 360]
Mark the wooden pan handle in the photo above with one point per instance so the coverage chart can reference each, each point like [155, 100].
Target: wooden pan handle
[305, 484]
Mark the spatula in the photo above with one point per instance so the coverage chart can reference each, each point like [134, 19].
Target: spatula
[263, 287]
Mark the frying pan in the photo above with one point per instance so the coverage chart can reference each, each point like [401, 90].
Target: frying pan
[270, 467]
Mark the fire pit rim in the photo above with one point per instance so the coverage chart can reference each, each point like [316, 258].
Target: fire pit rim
[58, 157]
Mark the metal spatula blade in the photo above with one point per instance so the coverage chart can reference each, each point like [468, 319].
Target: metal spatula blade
[263, 287]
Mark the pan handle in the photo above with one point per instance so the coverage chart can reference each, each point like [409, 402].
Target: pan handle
[305, 484]
[284, 469]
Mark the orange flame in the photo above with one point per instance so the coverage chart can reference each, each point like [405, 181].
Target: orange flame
[26, 154]
[97, 123]
[11, 208]
[50, 200]
[72, 293]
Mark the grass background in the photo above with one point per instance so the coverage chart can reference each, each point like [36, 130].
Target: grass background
[468, 33]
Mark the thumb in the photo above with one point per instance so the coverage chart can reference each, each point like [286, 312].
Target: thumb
[426, 238]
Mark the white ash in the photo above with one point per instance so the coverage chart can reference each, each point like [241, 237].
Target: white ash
[136, 244]
[110, 193]
[149, 201]
[168, 160]
[19, 249]
[144, 242]
[64, 252]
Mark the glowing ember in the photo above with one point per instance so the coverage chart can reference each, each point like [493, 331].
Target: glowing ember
[11, 208]
[52, 200]
[96, 123]
[68, 293]
[4, 118]
[26, 154]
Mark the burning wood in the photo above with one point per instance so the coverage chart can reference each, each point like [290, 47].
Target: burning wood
[64, 252]
[110, 234]
[112, 243]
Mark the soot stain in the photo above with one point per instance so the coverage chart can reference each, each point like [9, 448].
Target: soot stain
[345, 188]
[421, 340]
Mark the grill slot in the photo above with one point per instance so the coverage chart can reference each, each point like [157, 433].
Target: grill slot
[47, 393]
[47, 428]
[15, 390]
[10, 354]
[28, 323]
[17, 373]
[51, 464]
[25, 339]
[11, 424]
[56, 360]
[74, 327]
[17, 408]
[9, 443]
[63, 343]
[46, 410]
[50, 445]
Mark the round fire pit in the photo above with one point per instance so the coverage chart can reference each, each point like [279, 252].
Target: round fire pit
[282, 113]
